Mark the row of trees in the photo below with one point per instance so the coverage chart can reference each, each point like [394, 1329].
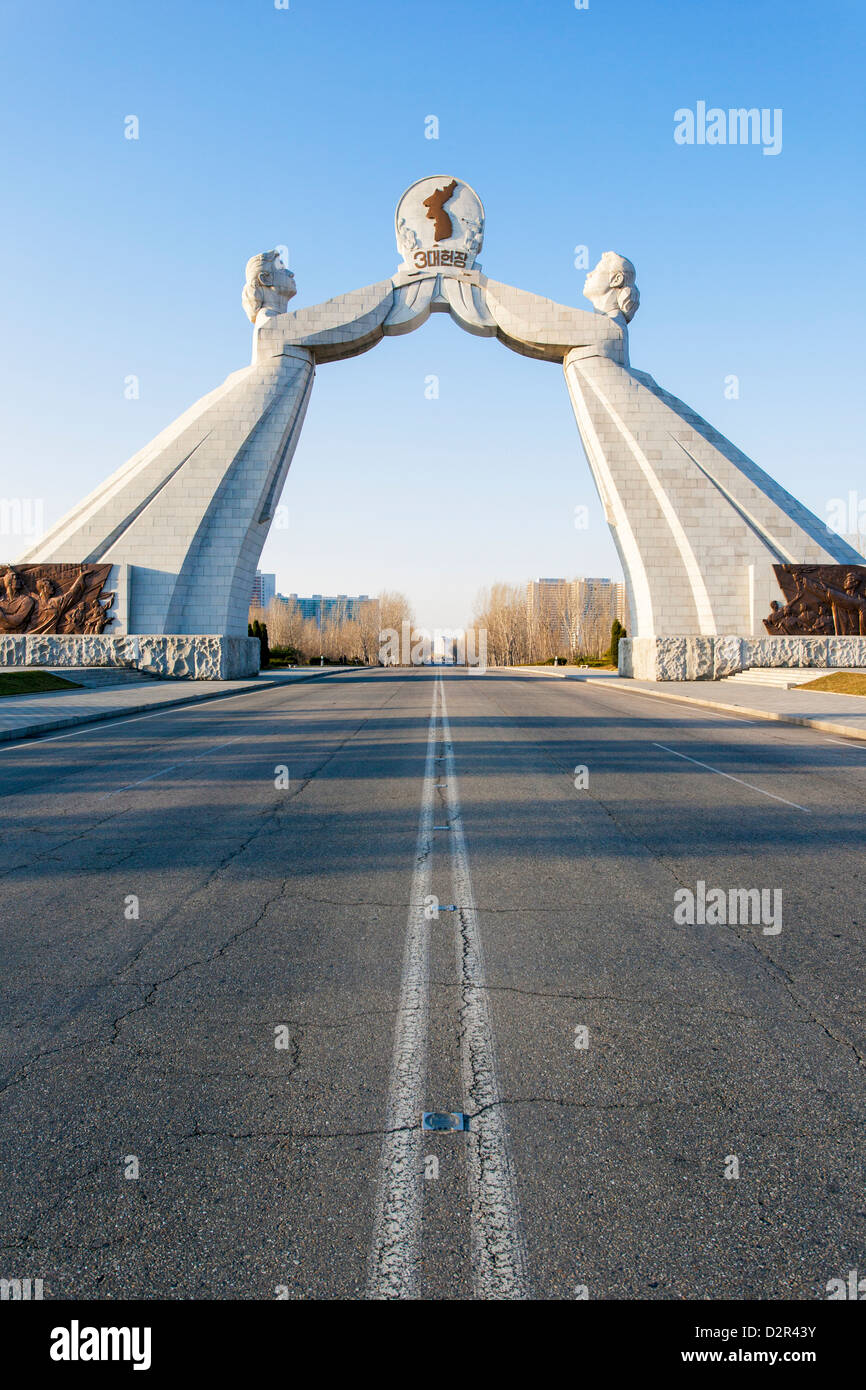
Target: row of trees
[518, 630]
[521, 632]
[342, 639]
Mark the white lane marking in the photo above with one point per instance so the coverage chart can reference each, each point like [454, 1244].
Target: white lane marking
[858, 747]
[163, 770]
[499, 1265]
[731, 778]
[393, 1262]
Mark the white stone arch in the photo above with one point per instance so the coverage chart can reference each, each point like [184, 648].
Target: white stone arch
[697, 525]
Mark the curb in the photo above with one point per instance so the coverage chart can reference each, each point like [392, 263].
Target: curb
[802, 721]
[34, 731]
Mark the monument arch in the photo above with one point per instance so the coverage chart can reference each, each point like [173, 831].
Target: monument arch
[700, 529]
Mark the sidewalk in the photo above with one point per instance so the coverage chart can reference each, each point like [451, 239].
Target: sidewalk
[27, 716]
[811, 709]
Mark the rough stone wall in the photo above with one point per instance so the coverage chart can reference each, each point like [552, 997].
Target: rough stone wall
[713, 658]
[200, 658]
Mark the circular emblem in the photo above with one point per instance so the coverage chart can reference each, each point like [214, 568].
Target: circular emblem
[439, 225]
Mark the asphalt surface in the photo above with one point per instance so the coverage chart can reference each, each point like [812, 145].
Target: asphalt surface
[253, 1036]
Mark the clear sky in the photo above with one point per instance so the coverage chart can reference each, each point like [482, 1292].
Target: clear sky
[301, 127]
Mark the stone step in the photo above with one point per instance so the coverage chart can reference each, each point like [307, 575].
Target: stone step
[786, 677]
[91, 677]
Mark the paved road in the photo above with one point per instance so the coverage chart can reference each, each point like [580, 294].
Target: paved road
[243, 988]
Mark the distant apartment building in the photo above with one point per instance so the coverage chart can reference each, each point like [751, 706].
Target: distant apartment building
[264, 589]
[548, 596]
[580, 610]
[597, 602]
[325, 608]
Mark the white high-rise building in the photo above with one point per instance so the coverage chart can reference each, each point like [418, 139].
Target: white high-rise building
[580, 610]
[264, 589]
[548, 596]
[596, 603]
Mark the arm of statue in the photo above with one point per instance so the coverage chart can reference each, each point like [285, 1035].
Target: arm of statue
[541, 328]
[828, 593]
[341, 327]
[353, 323]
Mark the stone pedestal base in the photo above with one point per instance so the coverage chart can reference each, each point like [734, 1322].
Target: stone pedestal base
[197, 657]
[713, 658]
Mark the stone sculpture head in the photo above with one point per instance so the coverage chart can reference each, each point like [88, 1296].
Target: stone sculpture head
[611, 289]
[270, 285]
[12, 584]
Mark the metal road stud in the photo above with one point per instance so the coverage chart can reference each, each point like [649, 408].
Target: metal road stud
[436, 1120]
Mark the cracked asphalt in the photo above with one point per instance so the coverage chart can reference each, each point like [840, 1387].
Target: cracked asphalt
[169, 914]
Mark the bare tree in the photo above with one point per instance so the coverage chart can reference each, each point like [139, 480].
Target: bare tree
[502, 612]
[369, 625]
[285, 623]
[311, 640]
[344, 634]
[536, 625]
[394, 609]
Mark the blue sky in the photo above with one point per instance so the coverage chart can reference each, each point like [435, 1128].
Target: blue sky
[302, 127]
